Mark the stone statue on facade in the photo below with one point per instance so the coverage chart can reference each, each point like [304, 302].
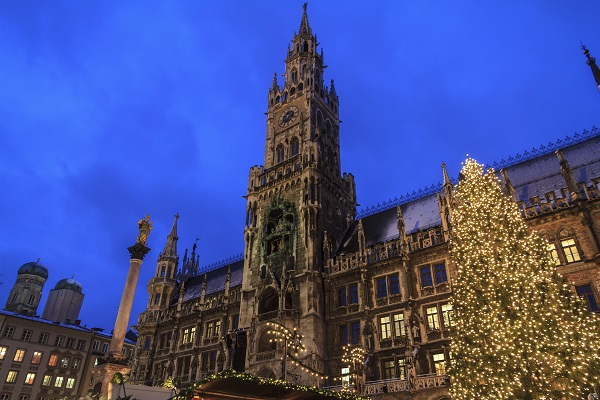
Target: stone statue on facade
[145, 226]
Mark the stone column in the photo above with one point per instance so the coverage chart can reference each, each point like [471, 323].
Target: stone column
[137, 251]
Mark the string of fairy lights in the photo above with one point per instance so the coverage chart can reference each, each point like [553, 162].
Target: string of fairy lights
[292, 340]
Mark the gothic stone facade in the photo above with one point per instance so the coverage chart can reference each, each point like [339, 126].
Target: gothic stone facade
[381, 280]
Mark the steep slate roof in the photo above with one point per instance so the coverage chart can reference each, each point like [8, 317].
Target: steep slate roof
[532, 174]
[215, 281]
[542, 175]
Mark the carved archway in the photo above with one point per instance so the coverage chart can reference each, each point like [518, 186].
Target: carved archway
[269, 301]
[266, 373]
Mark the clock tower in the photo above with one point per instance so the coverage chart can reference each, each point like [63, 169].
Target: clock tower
[299, 205]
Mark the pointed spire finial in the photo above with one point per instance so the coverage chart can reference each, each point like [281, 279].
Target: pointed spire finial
[446, 177]
[170, 249]
[591, 61]
[274, 85]
[304, 27]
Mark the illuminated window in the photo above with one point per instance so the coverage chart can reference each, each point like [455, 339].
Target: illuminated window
[29, 378]
[210, 328]
[64, 362]
[12, 376]
[401, 363]
[217, 328]
[70, 383]
[59, 381]
[43, 338]
[385, 327]
[585, 292]
[447, 315]
[433, 320]
[3, 352]
[553, 253]
[570, 250]
[36, 358]
[47, 379]
[389, 369]
[53, 360]
[345, 377]
[399, 326]
[439, 363]
[19, 354]
[26, 335]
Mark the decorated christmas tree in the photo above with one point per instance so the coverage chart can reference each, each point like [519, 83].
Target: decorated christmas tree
[520, 332]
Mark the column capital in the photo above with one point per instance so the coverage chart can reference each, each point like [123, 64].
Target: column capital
[138, 251]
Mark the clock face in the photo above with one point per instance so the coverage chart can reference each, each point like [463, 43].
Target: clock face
[288, 116]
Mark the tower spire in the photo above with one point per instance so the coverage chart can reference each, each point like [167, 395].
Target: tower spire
[591, 61]
[171, 245]
[304, 27]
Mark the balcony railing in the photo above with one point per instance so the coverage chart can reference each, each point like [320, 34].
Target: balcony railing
[401, 385]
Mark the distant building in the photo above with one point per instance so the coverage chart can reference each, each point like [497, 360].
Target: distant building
[50, 357]
[380, 280]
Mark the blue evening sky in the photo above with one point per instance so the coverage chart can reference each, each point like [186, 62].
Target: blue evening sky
[109, 110]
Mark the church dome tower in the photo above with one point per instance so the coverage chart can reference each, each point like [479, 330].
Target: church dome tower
[26, 293]
[64, 301]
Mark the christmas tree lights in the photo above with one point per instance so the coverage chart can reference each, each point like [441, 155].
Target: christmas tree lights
[520, 332]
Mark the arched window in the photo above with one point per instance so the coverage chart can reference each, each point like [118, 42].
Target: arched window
[269, 301]
[292, 91]
[294, 75]
[300, 86]
[294, 146]
[305, 46]
[279, 153]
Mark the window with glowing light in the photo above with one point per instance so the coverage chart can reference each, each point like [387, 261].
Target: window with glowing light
[64, 362]
[439, 363]
[433, 320]
[586, 293]
[345, 376]
[553, 253]
[570, 250]
[53, 360]
[36, 358]
[70, 383]
[3, 352]
[385, 327]
[12, 376]
[47, 380]
[29, 378]
[446, 310]
[389, 369]
[19, 354]
[59, 381]
[399, 326]
[401, 364]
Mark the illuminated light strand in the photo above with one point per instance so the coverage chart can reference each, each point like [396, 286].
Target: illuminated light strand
[519, 331]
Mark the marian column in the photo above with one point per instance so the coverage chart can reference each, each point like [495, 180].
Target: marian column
[137, 251]
[116, 362]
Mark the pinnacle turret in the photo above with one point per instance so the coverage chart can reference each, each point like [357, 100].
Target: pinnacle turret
[591, 61]
[170, 250]
[304, 27]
